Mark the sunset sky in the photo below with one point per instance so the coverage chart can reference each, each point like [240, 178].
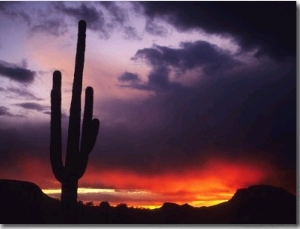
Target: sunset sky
[195, 99]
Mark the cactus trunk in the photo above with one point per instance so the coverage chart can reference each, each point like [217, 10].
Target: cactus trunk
[69, 200]
[75, 109]
[77, 154]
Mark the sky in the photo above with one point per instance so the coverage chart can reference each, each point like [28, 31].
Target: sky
[195, 99]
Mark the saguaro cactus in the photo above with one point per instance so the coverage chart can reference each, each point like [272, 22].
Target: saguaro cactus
[77, 154]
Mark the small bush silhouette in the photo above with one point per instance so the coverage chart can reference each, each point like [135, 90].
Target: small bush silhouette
[77, 152]
[90, 203]
[104, 205]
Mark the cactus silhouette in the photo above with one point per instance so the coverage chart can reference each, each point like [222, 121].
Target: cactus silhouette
[77, 154]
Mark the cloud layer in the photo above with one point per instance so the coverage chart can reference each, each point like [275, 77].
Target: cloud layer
[274, 34]
[16, 73]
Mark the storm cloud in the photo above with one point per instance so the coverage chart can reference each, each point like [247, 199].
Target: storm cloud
[101, 17]
[94, 17]
[273, 35]
[198, 55]
[128, 76]
[186, 127]
[16, 73]
[243, 111]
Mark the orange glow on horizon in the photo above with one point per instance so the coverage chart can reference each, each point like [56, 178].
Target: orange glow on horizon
[215, 181]
[218, 174]
[83, 196]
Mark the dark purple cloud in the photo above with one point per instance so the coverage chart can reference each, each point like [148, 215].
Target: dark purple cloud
[16, 73]
[21, 93]
[32, 106]
[103, 23]
[130, 33]
[25, 140]
[233, 111]
[94, 17]
[118, 14]
[54, 26]
[4, 111]
[268, 26]
[8, 9]
[191, 55]
[155, 29]
[129, 77]
[252, 111]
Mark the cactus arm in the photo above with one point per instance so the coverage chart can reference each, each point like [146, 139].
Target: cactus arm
[75, 109]
[90, 126]
[55, 135]
[90, 129]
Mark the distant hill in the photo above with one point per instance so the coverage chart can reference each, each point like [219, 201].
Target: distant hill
[263, 204]
[23, 202]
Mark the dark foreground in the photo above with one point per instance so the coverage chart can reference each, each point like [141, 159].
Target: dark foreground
[24, 203]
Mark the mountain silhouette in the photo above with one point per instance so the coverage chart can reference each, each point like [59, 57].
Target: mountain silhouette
[24, 203]
[264, 204]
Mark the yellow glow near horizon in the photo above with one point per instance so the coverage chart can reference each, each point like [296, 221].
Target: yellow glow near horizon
[80, 191]
[51, 191]
[148, 206]
[206, 201]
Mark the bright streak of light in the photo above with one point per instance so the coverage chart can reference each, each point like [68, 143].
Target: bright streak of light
[51, 191]
[80, 191]
[95, 190]
[134, 196]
